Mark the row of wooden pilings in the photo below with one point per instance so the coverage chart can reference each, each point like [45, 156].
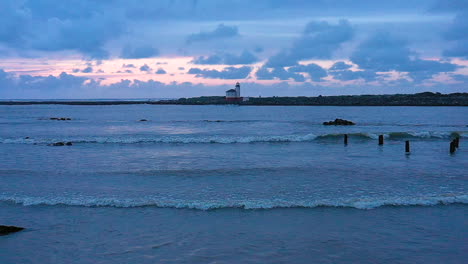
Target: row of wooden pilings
[453, 144]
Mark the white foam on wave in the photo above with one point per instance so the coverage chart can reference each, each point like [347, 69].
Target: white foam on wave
[166, 139]
[230, 139]
[358, 203]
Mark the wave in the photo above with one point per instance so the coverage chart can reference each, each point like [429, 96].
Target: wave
[167, 139]
[358, 203]
[233, 139]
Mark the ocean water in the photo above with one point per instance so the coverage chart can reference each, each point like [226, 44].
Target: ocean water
[230, 184]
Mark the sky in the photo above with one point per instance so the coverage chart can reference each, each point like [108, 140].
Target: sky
[89, 49]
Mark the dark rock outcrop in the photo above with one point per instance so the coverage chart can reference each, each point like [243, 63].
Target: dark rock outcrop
[143, 120]
[60, 118]
[5, 230]
[339, 122]
[59, 144]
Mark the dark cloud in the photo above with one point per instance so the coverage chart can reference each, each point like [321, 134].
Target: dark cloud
[340, 65]
[318, 41]
[82, 26]
[128, 65]
[315, 72]
[208, 60]
[226, 73]
[221, 32]
[38, 85]
[258, 49]
[458, 36]
[347, 75]
[146, 68]
[88, 69]
[160, 71]
[383, 53]
[280, 73]
[216, 10]
[139, 52]
[449, 6]
[245, 57]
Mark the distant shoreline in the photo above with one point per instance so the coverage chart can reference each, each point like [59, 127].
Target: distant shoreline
[419, 99]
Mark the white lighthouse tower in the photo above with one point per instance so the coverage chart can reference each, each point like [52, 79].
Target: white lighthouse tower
[238, 95]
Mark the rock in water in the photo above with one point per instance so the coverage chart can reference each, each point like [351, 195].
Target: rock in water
[57, 144]
[143, 120]
[339, 122]
[60, 118]
[5, 230]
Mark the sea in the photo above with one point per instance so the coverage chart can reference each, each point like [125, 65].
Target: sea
[233, 184]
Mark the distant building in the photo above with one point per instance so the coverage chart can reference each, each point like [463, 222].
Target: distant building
[234, 95]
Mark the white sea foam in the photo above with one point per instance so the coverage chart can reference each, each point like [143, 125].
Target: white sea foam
[231, 139]
[358, 203]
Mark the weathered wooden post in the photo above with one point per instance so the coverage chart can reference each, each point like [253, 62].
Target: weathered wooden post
[380, 139]
[452, 147]
[346, 139]
[407, 146]
[456, 142]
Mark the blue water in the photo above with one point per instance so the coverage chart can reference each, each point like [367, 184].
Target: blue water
[229, 184]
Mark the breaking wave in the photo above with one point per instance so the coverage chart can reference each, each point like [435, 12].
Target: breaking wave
[358, 203]
[232, 139]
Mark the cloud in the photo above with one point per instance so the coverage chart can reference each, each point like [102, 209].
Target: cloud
[383, 53]
[226, 73]
[208, 60]
[88, 69]
[457, 34]
[221, 32]
[245, 57]
[340, 71]
[39, 85]
[319, 40]
[128, 65]
[280, 73]
[315, 72]
[347, 75]
[146, 68]
[14, 22]
[139, 52]
[74, 87]
[340, 65]
[160, 71]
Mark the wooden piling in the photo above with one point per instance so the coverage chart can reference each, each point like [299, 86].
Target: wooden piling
[380, 139]
[407, 146]
[456, 142]
[346, 139]
[452, 147]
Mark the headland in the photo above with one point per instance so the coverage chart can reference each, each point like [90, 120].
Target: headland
[418, 99]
